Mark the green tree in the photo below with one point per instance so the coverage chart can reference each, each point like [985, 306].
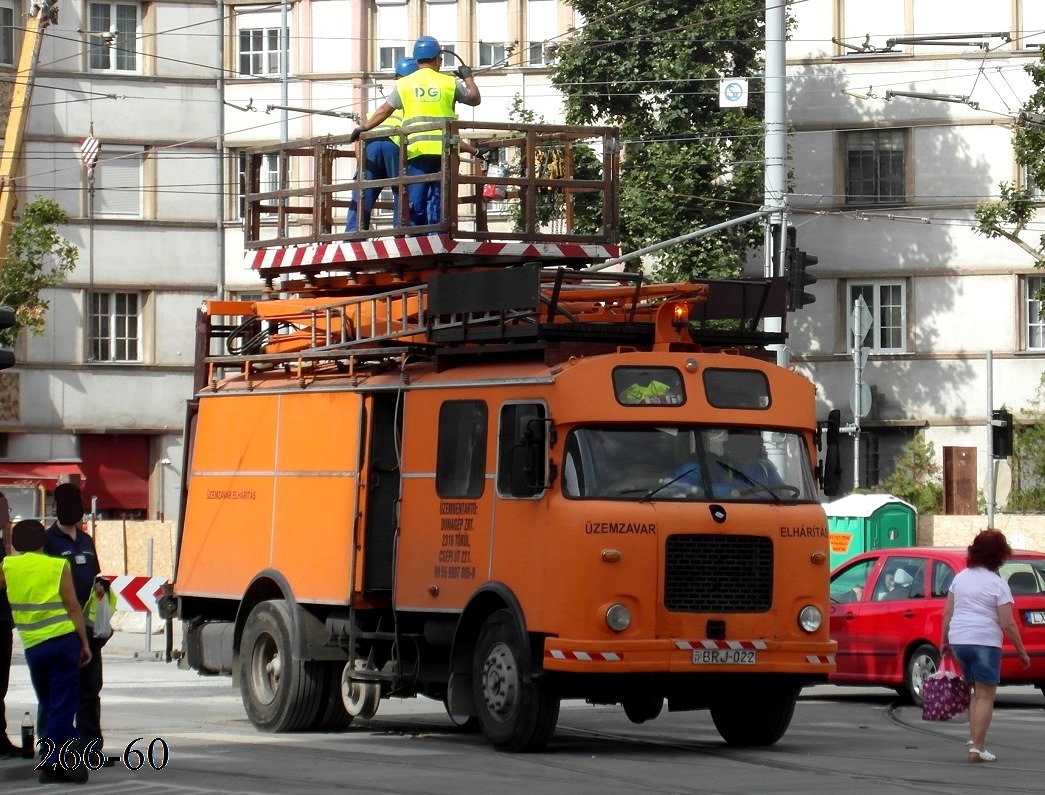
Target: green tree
[1008, 218]
[653, 69]
[916, 477]
[38, 258]
[551, 204]
[1028, 457]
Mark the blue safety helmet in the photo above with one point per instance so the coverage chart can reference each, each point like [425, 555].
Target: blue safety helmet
[405, 66]
[426, 48]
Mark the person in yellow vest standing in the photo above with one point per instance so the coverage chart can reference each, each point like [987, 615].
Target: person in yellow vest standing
[381, 161]
[426, 96]
[50, 623]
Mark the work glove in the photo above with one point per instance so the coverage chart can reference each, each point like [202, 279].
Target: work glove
[486, 155]
[464, 71]
[356, 133]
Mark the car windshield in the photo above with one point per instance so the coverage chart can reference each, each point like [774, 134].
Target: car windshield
[683, 463]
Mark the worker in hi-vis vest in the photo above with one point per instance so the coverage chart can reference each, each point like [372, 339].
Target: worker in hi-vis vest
[50, 623]
[425, 96]
[381, 161]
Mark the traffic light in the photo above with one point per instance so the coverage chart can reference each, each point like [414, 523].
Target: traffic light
[7, 320]
[1001, 434]
[796, 262]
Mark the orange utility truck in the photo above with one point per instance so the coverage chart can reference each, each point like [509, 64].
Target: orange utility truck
[467, 466]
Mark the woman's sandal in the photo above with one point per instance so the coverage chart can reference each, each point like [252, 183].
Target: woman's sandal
[976, 755]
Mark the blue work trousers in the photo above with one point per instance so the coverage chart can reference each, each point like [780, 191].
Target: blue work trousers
[424, 197]
[380, 161]
[54, 669]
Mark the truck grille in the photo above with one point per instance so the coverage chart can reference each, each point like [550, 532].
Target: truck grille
[718, 574]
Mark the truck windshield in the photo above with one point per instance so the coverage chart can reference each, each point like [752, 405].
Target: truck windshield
[687, 463]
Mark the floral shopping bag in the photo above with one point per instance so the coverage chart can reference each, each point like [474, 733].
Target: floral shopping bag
[945, 695]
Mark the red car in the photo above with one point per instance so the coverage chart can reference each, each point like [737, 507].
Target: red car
[887, 612]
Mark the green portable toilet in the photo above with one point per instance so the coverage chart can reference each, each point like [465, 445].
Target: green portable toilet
[864, 522]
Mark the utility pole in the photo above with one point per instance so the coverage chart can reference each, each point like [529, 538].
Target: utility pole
[776, 153]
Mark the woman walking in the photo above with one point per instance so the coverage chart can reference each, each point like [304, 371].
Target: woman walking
[979, 610]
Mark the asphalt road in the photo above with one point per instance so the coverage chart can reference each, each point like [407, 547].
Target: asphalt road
[841, 740]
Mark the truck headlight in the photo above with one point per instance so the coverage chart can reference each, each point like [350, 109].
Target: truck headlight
[810, 618]
[618, 618]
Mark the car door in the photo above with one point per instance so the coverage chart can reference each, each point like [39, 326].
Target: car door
[848, 601]
[895, 618]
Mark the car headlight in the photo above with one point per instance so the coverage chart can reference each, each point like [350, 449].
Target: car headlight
[618, 618]
[810, 618]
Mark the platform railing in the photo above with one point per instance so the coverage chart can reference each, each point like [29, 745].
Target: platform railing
[534, 183]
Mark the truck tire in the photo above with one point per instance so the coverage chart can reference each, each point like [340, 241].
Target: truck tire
[280, 694]
[754, 714]
[924, 660]
[332, 716]
[516, 711]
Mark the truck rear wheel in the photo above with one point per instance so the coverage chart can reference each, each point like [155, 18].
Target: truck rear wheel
[280, 694]
[516, 711]
[754, 714]
[332, 716]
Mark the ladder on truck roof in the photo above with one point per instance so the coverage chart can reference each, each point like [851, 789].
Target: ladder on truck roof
[460, 311]
[554, 189]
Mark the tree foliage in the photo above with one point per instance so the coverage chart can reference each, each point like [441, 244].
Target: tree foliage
[653, 69]
[38, 258]
[1008, 218]
[916, 477]
[1028, 457]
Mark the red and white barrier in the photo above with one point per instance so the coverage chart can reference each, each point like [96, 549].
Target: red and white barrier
[136, 594]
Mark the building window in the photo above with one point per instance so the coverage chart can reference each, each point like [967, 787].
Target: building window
[491, 29]
[259, 45]
[391, 33]
[1032, 14]
[888, 306]
[875, 167]
[118, 183]
[1035, 323]
[1028, 183]
[541, 28]
[7, 33]
[441, 22]
[115, 332]
[113, 36]
[269, 177]
[259, 51]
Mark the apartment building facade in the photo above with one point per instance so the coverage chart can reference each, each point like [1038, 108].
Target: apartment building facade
[176, 92]
[902, 114]
[101, 396]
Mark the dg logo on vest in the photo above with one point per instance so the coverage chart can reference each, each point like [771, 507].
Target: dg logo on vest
[420, 92]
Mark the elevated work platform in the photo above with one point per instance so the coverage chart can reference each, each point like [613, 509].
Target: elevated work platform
[540, 193]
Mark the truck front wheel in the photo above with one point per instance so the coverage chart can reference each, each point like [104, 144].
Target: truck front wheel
[753, 714]
[280, 694]
[516, 711]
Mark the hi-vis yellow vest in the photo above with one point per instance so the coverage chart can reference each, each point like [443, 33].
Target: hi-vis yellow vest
[395, 119]
[427, 96]
[33, 589]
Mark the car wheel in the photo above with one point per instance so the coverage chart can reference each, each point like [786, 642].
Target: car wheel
[280, 694]
[642, 707]
[755, 714]
[924, 661]
[517, 710]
